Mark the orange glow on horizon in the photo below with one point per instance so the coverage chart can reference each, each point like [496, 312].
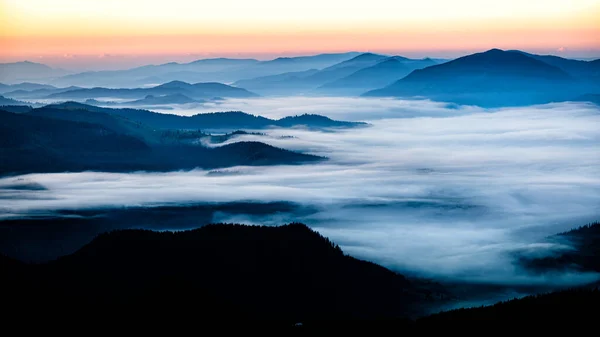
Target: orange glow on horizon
[32, 29]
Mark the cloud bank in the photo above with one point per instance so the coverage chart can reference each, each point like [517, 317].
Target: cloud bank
[347, 108]
[448, 194]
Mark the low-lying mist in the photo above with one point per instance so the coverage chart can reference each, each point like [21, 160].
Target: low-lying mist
[346, 108]
[445, 191]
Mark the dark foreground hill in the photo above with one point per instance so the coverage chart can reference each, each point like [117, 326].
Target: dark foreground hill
[225, 272]
[246, 277]
[97, 141]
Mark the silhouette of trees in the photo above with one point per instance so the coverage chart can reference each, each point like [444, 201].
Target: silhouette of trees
[584, 257]
[573, 306]
[230, 275]
[288, 273]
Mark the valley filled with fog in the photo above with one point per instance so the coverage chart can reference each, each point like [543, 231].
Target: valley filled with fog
[317, 166]
[429, 189]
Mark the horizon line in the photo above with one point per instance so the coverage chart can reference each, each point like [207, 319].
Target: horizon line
[193, 57]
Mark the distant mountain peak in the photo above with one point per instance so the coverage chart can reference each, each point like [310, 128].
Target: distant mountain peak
[27, 64]
[390, 60]
[223, 60]
[491, 78]
[174, 85]
[366, 57]
[213, 84]
[504, 58]
[70, 105]
[397, 58]
[283, 60]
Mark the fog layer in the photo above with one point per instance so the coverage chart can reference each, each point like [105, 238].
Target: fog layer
[451, 194]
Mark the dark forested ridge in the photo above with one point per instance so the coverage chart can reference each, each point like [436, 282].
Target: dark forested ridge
[97, 141]
[241, 277]
[16, 108]
[10, 101]
[43, 237]
[150, 100]
[236, 272]
[584, 255]
[231, 120]
[573, 309]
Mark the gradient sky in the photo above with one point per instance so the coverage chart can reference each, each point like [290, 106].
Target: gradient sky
[121, 33]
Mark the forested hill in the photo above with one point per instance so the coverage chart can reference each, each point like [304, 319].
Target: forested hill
[288, 273]
[241, 277]
[87, 140]
[584, 255]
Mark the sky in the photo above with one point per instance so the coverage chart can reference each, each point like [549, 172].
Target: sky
[118, 34]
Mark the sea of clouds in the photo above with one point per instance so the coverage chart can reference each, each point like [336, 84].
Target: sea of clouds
[428, 188]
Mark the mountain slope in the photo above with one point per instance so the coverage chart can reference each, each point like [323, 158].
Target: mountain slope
[288, 273]
[294, 83]
[23, 71]
[567, 308]
[36, 144]
[195, 91]
[10, 101]
[314, 121]
[360, 61]
[584, 254]
[232, 120]
[37, 93]
[16, 108]
[136, 76]
[377, 76]
[162, 100]
[115, 123]
[279, 84]
[215, 70]
[25, 86]
[294, 64]
[576, 68]
[79, 140]
[492, 78]
[342, 69]
[250, 277]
